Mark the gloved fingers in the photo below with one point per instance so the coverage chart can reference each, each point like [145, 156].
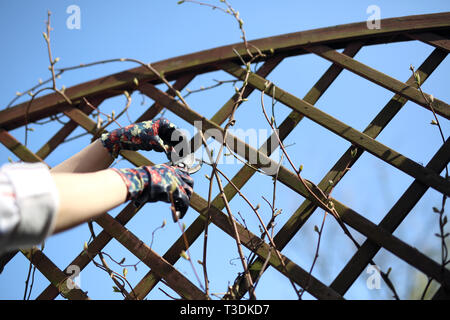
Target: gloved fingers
[181, 202]
[147, 135]
[168, 184]
[173, 191]
[175, 138]
[165, 129]
[183, 192]
[156, 143]
[187, 179]
[142, 199]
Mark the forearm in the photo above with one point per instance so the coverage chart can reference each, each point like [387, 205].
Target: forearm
[92, 158]
[84, 196]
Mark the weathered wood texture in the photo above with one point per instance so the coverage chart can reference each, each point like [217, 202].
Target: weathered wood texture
[431, 29]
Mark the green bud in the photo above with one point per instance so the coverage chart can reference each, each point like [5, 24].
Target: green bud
[184, 255]
[417, 78]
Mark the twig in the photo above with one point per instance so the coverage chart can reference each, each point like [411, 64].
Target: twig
[328, 206]
[186, 243]
[156, 229]
[441, 212]
[217, 84]
[171, 297]
[255, 210]
[28, 277]
[316, 255]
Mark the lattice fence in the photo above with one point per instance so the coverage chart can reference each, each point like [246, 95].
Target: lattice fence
[433, 30]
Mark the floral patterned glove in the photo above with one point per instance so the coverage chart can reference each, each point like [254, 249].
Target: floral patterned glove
[155, 183]
[148, 135]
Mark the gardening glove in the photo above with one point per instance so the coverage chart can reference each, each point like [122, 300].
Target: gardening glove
[155, 183]
[148, 135]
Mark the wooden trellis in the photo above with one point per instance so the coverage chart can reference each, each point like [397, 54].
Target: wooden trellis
[432, 29]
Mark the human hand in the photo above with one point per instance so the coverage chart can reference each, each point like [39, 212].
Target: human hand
[159, 183]
[148, 135]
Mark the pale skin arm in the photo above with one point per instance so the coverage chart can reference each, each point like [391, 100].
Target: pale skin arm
[92, 158]
[84, 191]
[84, 196]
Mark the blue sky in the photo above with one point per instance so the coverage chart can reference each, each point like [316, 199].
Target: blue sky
[157, 30]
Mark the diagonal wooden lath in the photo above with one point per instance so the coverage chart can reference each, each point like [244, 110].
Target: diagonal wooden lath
[433, 29]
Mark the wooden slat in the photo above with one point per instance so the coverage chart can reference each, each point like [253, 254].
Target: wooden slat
[56, 139]
[102, 239]
[22, 152]
[286, 45]
[432, 39]
[357, 138]
[410, 92]
[205, 61]
[336, 173]
[390, 222]
[164, 269]
[245, 173]
[65, 131]
[262, 249]
[156, 108]
[349, 216]
[97, 245]
[298, 275]
[286, 127]
[347, 160]
[56, 277]
[53, 274]
[172, 255]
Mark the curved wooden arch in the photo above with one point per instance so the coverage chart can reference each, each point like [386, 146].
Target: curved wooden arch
[336, 37]
[433, 29]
